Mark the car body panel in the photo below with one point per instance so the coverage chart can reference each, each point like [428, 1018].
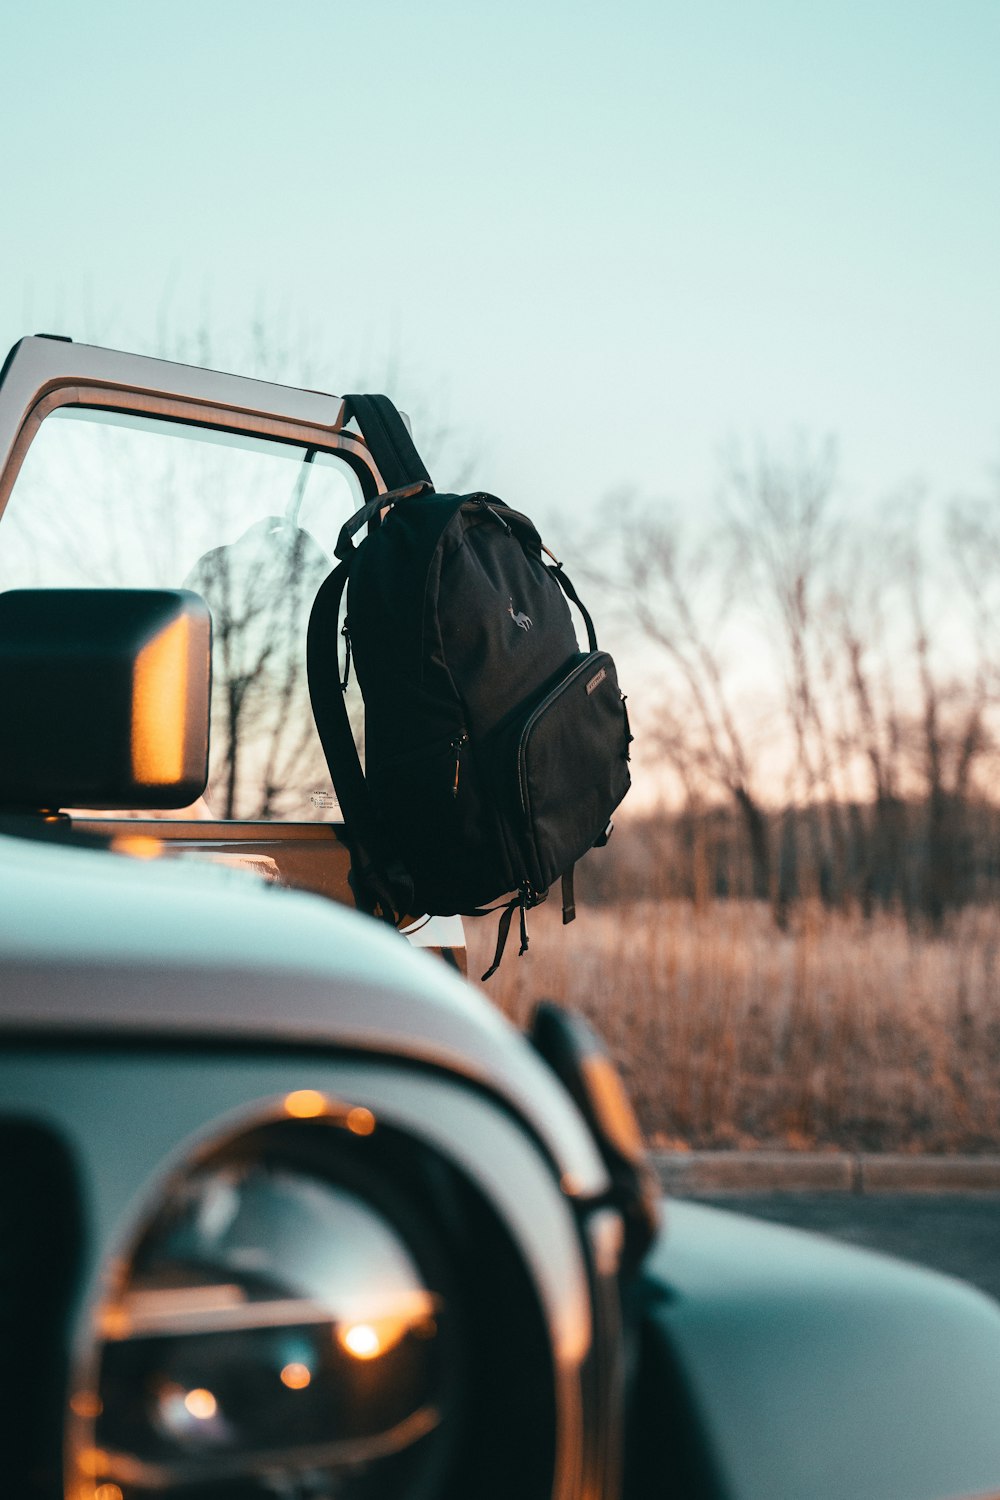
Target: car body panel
[814, 1370]
[150, 1109]
[313, 857]
[150, 1009]
[146, 949]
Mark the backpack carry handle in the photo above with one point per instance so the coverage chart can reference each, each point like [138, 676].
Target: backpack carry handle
[350, 528]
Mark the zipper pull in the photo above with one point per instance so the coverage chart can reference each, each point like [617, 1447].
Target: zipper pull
[345, 632]
[456, 745]
[482, 500]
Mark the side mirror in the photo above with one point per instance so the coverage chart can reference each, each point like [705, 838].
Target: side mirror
[104, 698]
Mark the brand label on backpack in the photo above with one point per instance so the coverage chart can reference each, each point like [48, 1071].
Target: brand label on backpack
[596, 681]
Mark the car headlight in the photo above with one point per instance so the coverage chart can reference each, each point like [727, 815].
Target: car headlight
[276, 1331]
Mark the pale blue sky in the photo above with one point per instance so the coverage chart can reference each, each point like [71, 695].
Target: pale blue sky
[607, 238]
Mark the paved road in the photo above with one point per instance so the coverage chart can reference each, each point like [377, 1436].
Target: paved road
[955, 1233]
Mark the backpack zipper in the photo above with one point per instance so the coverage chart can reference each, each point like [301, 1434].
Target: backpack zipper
[482, 501]
[456, 744]
[345, 632]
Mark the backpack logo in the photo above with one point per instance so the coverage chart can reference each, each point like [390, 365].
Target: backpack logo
[522, 621]
[595, 682]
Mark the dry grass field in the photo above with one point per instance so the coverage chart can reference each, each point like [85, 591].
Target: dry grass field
[837, 1033]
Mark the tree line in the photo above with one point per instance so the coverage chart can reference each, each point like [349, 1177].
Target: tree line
[822, 688]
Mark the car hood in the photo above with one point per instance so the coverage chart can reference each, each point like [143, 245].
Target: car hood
[103, 945]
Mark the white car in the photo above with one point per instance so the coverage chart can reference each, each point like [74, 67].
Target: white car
[288, 1210]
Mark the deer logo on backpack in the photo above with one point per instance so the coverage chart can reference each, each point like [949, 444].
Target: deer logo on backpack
[523, 622]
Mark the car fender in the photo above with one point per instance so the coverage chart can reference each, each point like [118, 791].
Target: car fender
[779, 1365]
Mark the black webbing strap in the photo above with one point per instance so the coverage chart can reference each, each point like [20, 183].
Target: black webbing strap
[568, 899]
[371, 888]
[518, 904]
[389, 443]
[566, 585]
[503, 930]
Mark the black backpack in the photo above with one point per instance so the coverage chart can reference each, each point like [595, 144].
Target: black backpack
[495, 749]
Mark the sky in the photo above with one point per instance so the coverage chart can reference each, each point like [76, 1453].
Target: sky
[599, 243]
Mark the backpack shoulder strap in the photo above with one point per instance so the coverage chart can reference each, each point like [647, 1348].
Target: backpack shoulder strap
[389, 442]
[563, 580]
[377, 881]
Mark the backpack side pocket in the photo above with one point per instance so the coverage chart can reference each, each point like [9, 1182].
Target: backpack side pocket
[572, 766]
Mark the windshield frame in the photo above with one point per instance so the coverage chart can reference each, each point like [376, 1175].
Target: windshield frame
[42, 374]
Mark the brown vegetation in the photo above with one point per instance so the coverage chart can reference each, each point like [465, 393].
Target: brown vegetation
[840, 1031]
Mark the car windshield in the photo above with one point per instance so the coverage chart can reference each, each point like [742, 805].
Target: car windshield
[108, 500]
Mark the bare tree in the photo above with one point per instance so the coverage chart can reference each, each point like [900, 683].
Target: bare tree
[870, 733]
[701, 734]
[260, 589]
[883, 645]
[784, 523]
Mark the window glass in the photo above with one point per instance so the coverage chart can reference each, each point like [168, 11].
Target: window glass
[106, 500]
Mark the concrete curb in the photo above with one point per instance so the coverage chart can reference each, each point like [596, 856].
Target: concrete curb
[708, 1173]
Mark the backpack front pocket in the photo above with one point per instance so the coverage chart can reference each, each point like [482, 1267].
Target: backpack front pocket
[572, 766]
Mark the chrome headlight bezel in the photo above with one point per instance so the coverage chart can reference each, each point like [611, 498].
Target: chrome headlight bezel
[282, 1310]
[490, 1193]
